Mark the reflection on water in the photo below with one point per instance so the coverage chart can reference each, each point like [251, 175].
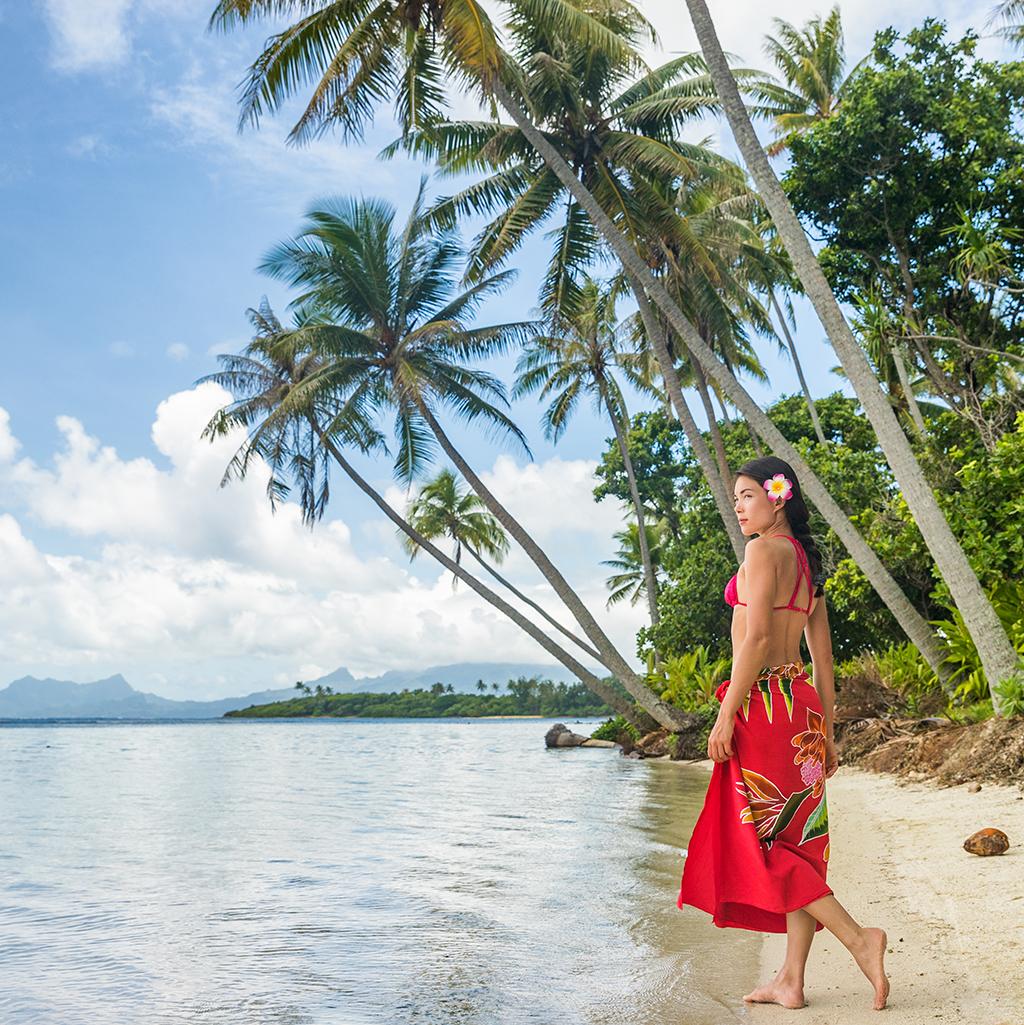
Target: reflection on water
[349, 872]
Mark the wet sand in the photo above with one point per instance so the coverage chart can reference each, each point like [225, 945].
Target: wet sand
[955, 921]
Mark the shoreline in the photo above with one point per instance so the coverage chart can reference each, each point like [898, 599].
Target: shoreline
[955, 921]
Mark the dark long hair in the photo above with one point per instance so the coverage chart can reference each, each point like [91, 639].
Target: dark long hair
[796, 511]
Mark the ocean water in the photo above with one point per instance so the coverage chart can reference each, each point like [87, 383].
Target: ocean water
[348, 872]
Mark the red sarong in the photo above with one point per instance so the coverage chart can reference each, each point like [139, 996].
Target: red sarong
[760, 845]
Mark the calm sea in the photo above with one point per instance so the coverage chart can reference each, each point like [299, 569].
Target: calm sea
[350, 872]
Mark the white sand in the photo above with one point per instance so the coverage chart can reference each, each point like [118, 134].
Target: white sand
[955, 921]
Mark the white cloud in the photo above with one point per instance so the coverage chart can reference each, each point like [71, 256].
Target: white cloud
[96, 35]
[9, 444]
[121, 349]
[88, 35]
[195, 590]
[202, 112]
[743, 24]
[177, 351]
[87, 147]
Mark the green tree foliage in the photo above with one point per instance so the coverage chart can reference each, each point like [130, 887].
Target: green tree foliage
[981, 494]
[654, 440]
[915, 184]
[697, 559]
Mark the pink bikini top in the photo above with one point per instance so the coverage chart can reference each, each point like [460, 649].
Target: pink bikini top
[803, 573]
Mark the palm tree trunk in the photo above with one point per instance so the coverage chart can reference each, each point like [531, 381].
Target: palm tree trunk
[589, 679]
[725, 409]
[811, 408]
[673, 386]
[913, 623]
[539, 609]
[701, 384]
[755, 441]
[668, 716]
[650, 581]
[998, 657]
[896, 348]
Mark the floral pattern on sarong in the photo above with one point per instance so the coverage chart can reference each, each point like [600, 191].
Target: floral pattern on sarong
[810, 755]
[768, 808]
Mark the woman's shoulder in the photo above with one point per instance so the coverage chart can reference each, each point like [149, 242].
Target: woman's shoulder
[765, 550]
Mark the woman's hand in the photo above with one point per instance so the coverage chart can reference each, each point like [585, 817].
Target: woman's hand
[720, 740]
[831, 758]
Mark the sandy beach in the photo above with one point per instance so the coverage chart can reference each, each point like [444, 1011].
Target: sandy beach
[955, 921]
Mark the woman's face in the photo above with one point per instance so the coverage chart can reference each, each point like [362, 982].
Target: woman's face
[754, 509]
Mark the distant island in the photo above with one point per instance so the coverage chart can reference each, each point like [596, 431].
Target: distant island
[523, 696]
[113, 697]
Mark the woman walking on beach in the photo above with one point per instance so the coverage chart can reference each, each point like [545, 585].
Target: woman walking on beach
[758, 856]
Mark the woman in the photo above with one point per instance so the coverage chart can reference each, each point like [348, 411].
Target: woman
[759, 852]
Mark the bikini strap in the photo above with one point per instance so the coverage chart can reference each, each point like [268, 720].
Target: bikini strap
[803, 570]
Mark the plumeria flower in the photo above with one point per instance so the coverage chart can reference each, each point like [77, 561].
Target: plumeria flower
[779, 487]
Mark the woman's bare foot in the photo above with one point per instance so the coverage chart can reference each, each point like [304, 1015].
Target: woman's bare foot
[778, 991]
[870, 955]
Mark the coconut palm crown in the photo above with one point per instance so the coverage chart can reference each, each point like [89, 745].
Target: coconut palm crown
[393, 329]
[812, 61]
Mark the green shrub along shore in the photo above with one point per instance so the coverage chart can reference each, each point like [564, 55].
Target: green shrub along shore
[522, 696]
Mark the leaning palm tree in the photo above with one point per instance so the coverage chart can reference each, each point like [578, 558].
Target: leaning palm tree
[770, 272]
[621, 135]
[618, 227]
[443, 509]
[293, 432]
[811, 60]
[396, 335]
[581, 356]
[630, 579]
[356, 54]
[998, 656]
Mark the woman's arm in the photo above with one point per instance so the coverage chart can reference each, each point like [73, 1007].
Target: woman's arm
[819, 644]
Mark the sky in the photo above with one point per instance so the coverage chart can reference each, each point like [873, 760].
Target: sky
[133, 215]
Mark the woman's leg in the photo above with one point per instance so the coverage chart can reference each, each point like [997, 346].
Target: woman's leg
[787, 988]
[866, 945]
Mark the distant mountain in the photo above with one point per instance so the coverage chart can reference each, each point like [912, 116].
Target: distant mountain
[461, 675]
[112, 698]
[115, 698]
[341, 680]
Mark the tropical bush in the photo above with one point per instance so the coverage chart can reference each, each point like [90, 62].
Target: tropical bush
[689, 680]
[612, 729]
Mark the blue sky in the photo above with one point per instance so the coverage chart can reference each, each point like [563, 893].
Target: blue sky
[134, 216]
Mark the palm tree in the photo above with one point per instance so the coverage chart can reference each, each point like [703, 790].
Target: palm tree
[631, 580]
[881, 337]
[394, 339]
[997, 654]
[580, 357]
[811, 60]
[620, 136]
[1011, 14]
[294, 431]
[707, 268]
[397, 339]
[401, 50]
[771, 271]
[443, 509]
